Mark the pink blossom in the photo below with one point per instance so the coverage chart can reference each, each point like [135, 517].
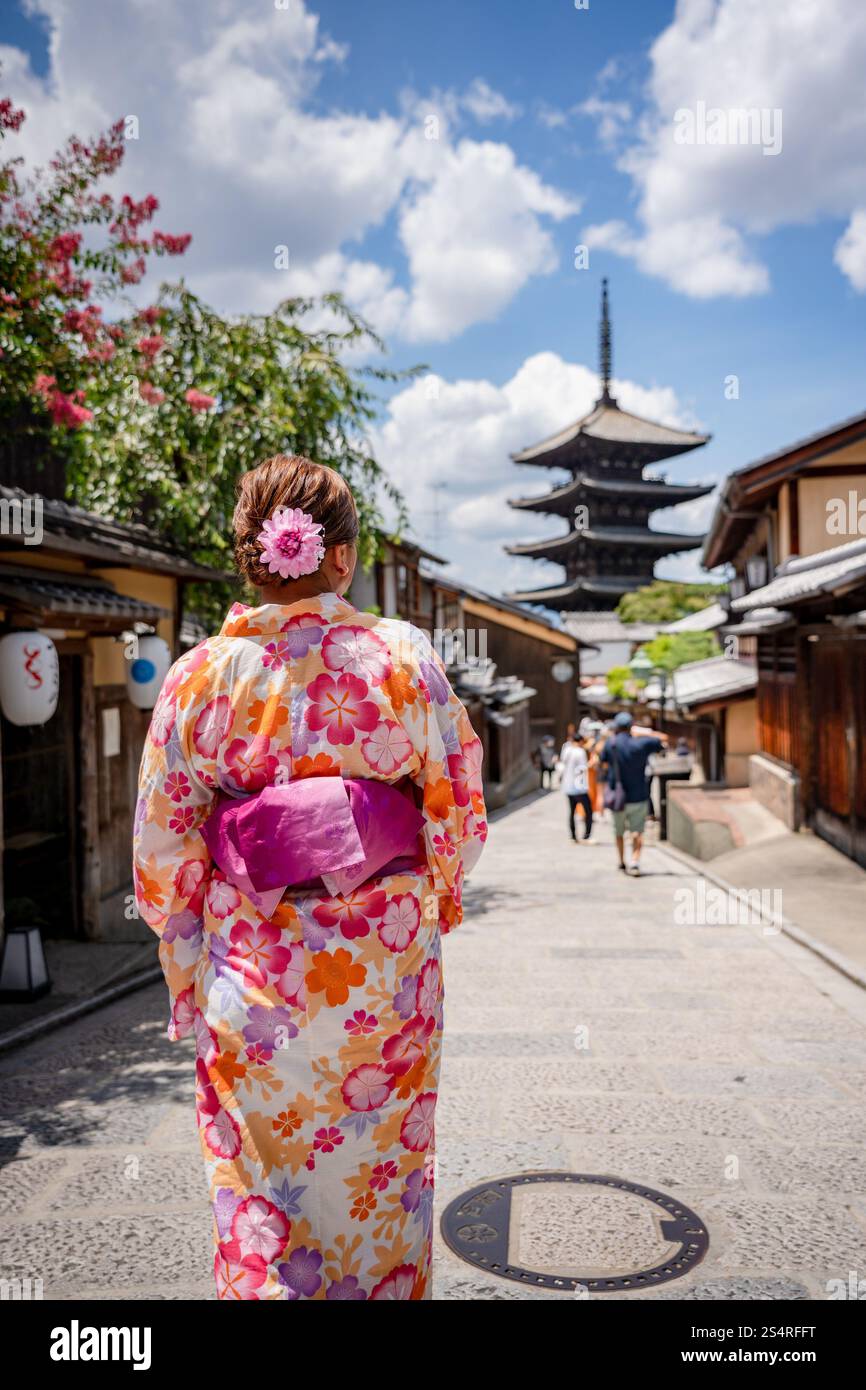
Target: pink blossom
[67, 409]
[361, 1024]
[396, 1287]
[131, 274]
[402, 1050]
[291, 543]
[416, 1132]
[150, 393]
[238, 1279]
[198, 400]
[103, 352]
[163, 719]
[358, 652]
[149, 347]
[222, 898]
[338, 705]
[190, 883]
[400, 922]
[292, 984]
[429, 988]
[367, 1087]
[249, 764]
[171, 245]
[256, 951]
[327, 1139]
[63, 246]
[260, 1228]
[43, 384]
[213, 725]
[11, 118]
[386, 747]
[177, 786]
[351, 912]
[222, 1135]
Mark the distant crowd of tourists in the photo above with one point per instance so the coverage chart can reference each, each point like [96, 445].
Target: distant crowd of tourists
[604, 768]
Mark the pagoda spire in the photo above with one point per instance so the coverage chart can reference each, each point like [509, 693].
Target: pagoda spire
[608, 547]
[604, 349]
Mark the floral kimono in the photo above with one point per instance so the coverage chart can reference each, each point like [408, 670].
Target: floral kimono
[318, 1029]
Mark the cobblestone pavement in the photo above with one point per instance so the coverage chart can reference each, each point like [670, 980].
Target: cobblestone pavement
[585, 1031]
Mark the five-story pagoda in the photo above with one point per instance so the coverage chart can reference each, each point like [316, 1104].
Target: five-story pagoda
[609, 548]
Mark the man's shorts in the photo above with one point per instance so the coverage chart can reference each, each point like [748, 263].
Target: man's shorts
[632, 817]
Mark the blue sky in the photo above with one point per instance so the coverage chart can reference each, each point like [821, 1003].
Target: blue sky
[308, 125]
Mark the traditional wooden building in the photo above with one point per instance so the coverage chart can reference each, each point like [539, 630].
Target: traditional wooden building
[608, 548]
[399, 584]
[793, 526]
[522, 644]
[69, 785]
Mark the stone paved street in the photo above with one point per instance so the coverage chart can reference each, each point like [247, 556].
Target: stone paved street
[724, 1066]
[586, 1031]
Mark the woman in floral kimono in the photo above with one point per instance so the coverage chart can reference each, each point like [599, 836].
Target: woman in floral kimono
[304, 746]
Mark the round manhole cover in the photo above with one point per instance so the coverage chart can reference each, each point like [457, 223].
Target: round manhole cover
[575, 1231]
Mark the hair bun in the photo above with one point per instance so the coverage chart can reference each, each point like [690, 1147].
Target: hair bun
[289, 480]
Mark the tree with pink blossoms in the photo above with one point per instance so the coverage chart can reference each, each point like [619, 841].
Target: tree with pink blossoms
[154, 411]
[66, 250]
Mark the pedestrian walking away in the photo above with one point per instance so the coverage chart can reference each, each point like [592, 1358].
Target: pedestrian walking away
[310, 799]
[574, 775]
[625, 758]
[547, 759]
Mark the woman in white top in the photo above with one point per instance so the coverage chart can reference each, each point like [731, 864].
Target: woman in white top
[574, 765]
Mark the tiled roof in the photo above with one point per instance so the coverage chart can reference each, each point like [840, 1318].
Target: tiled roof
[607, 627]
[808, 577]
[42, 593]
[698, 682]
[608, 587]
[664, 541]
[661, 493]
[91, 536]
[760, 620]
[705, 620]
[608, 422]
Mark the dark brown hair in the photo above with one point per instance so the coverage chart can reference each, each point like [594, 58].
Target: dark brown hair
[289, 480]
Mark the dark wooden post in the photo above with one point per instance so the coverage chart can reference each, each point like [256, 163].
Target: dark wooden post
[91, 875]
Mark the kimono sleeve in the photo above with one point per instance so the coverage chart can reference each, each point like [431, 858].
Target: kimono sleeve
[450, 779]
[171, 862]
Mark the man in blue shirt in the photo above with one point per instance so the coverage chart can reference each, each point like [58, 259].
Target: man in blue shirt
[626, 758]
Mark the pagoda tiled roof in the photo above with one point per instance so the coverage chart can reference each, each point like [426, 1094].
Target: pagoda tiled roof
[665, 542]
[667, 494]
[610, 588]
[608, 424]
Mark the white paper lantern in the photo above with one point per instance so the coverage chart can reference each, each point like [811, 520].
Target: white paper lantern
[29, 677]
[147, 671]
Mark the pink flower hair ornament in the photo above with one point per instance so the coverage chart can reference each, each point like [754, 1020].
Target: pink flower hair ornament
[291, 543]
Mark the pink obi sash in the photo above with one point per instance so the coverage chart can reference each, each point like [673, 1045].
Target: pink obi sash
[330, 831]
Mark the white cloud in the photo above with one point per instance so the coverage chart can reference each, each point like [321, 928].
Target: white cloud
[447, 446]
[238, 145]
[702, 204]
[850, 250]
[473, 236]
[485, 104]
[611, 117]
